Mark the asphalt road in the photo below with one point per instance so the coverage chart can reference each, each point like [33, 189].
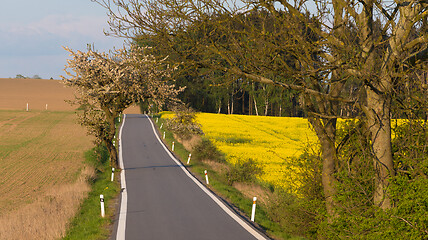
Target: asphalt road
[163, 202]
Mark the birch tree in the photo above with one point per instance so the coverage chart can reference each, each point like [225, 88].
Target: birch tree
[107, 84]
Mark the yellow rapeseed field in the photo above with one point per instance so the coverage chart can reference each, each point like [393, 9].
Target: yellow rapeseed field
[272, 142]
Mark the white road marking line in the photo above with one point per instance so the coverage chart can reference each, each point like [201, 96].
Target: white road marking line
[215, 199]
[120, 235]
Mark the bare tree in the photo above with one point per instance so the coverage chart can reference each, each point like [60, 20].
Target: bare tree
[108, 84]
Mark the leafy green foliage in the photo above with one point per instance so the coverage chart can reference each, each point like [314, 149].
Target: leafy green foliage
[300, 211]
[243, 171]
[206, 150]
[296, 215]
[409, 188]
[357, 215]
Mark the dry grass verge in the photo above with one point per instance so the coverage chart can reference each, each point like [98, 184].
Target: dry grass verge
[250, 190]
[43, 173]
[47, 217]
[220, 168]
[190, 143]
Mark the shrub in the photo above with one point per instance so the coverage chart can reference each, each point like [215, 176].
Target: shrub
[184, 124]
[299, 211]
[298, 216]
[206, 150]
[358, 216]
[243, 171]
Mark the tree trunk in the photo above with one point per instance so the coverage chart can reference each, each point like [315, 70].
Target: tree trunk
[250, 105]
[219, 106]
[326, 132]
[243, 102]
[377, 109]
[379, 125]
[231, 105]
[114, 161]
[110, 117]
[228, 107]
[255, 106]
[266, 106]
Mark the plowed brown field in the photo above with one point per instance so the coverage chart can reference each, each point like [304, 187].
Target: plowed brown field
[16, 93]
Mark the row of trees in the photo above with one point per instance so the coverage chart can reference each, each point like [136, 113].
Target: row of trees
[20, 76]
[367, 58]
[214, 90]
[239, 97]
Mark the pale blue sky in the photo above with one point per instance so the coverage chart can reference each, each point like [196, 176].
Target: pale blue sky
[32, 33]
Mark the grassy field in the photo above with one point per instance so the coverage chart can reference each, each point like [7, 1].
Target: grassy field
[42, 172]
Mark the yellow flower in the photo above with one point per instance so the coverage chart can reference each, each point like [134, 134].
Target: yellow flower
[271, 142]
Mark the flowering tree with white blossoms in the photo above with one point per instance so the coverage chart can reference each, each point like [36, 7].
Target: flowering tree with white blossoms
[107, 84]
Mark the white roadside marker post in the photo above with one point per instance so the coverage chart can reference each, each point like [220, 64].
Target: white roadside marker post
[46, 106]
[27, 107]
[206, 177]
[157, 120]
[112, 174]
[161, 126]
[188, 159]
[173, 143]
[103, 213]
[163, 135]
[253, 211]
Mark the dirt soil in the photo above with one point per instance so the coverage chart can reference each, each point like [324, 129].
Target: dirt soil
[16, 93]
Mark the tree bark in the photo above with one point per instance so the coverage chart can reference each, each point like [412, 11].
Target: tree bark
[255, 106]
[266, 105]
[228, 107]
[377, 109]
[219, 107]
[250, 105]
[379, 125]
[114, 161]
[110, 117]
[231, 104]
[326, 132]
